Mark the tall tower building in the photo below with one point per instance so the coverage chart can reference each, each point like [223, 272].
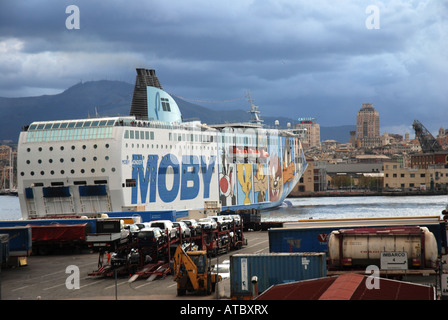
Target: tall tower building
[312, 133]
[368, 126]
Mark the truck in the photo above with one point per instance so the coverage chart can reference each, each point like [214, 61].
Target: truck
[110, 233]
[192, 272]
[47, 238]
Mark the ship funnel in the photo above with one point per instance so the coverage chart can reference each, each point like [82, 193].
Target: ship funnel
[145, 78]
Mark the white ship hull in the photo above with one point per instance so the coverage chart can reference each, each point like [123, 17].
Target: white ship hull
[127, 165]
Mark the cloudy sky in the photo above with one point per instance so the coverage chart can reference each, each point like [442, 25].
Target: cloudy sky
[298, 58]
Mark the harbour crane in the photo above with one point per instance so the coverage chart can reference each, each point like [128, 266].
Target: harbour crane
[426, 139]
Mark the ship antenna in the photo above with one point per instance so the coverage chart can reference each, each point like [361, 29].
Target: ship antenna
[254, 110]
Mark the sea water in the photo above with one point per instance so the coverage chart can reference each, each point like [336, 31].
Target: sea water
[317, 207]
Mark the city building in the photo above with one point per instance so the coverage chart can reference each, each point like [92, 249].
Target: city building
[429, 177]
[368, 127]
[311, 138]
[424, 160]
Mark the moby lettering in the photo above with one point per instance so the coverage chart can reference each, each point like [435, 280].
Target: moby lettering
[169, 178]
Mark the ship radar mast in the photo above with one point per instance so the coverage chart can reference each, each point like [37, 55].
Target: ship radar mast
[254, 111]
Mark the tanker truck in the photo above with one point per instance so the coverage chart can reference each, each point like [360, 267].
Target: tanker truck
[361, 247]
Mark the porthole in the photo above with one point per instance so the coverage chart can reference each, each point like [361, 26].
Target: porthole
[93, 170]
[28, 150]
[72, 171]
[40, 149]
[32, 173]
[95, 158]
[73, 159]
[22, 173]
[103, 170]
[73, 147]
[84, 147]
[52, 172]
[61, 160]
[50, 160]
[42, 173]
[62, 171]
[95, 146]
[106, 157]
[39, 161]
[107, 145]
[62, 148]
[82, 170]
[51, 148]
[113, 169]
[84, 159]
[28, 161]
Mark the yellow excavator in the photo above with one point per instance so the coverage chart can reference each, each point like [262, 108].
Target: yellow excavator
[192, 272]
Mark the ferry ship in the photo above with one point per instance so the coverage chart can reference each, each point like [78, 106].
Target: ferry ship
[153, 162]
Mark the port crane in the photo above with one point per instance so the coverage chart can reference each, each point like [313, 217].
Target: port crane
[426, 139]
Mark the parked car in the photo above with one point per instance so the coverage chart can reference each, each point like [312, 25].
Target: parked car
[151, 236]
[222, 223]
[164, 225]
[207, 223]
[133, 230]
[195, 228]
[123, 257]
[229, 220]
[183, 227]
[236, 219]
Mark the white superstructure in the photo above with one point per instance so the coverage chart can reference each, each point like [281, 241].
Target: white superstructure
[152, 161]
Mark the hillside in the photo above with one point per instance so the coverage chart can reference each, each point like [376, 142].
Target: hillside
[112, 98]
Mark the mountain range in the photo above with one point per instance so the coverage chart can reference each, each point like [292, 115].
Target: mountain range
[113, 98]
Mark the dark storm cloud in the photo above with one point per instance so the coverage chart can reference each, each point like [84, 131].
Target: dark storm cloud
[300, 58]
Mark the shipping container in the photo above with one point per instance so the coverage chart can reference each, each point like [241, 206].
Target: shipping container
[362, 247]
[313, 235]
[271, 269]
[41, 222]
[20, 241]
[4, 248]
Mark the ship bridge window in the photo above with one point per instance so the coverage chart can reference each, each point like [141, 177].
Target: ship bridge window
[87, 124]
[71, 124]
[79, 124]
[165, 105]
[32, 127]
[110, 122]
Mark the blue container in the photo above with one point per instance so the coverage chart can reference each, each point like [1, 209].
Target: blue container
[271, 269]
[146, 216]
[4, 248]
[300, 240]
[315, 239]
[40, 222]
[20, 240]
